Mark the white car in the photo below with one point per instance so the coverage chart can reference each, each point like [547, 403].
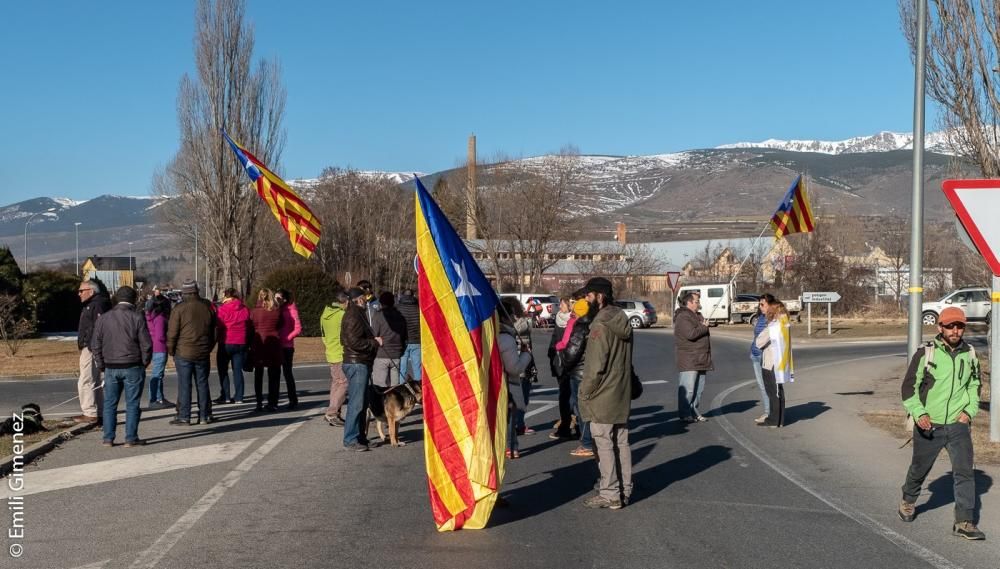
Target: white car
[974, 301]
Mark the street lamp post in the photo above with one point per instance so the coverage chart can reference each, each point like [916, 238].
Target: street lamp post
[26, 224]
[77, 227]
[130, 256]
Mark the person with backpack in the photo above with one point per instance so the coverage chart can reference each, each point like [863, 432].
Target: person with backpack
[941, 392]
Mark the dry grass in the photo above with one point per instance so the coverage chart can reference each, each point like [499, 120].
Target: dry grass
[47, 357]
[54, 426]
[894, 422]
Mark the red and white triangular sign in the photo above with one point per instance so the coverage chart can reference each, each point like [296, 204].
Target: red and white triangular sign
[673, 279]
[977, 204]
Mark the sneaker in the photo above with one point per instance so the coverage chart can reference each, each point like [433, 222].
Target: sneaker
[236, 401]
[582, 452]
[556, 435]
[760, 419]
[968, 530]
[597, 502]
[180, 422]
[135, 443]
[907, 511]
[167, 403]
[527, 431]
[107, 443]
[357, 447]
[335, 421]
[220, 400]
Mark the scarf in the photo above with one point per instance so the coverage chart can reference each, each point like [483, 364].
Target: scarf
[780, 334]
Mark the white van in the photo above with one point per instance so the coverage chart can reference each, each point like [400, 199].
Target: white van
[716, 300]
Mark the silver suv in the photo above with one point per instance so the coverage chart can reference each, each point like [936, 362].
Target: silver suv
[974, 301]
[640, 313]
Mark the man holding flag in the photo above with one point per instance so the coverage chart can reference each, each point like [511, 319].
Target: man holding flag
[464, 395]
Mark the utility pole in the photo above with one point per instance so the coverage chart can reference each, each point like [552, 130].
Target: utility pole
[77, 227]
[195, 253]
[915, 331]
[471, 191]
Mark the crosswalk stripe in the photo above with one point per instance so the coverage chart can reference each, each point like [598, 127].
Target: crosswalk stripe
[38, 481]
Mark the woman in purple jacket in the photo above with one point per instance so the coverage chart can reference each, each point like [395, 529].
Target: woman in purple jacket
[157, 316]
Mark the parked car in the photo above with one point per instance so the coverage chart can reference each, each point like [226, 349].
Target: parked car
[974, 301]
[640, 313]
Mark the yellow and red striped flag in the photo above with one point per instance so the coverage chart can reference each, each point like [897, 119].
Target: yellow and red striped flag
[464, 392]
[298, 221]
[793, 214]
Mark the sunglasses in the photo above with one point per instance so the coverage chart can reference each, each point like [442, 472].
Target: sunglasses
[953, 325]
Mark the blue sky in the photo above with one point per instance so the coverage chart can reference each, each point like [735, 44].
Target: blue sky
[89, 97]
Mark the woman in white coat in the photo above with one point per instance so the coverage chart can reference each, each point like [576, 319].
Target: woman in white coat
[775, 342]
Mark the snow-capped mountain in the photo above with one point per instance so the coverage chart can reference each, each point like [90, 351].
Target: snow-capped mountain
[881, 142]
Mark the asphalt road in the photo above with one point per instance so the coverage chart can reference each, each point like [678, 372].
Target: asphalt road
[278, 490]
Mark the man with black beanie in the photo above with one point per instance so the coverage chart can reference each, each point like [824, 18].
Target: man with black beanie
[122, 349]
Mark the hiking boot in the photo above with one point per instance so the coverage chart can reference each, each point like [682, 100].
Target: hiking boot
[597, 502]
[968, 530]
[907, 511]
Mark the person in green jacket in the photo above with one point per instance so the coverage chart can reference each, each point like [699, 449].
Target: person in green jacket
[941, 392]
[329, 323]
[605, 395]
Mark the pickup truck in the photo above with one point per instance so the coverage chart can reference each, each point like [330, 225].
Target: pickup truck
[721, 304]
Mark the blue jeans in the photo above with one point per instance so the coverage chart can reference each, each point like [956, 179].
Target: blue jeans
[757, 362]
[690, 385]
[186, 371]
[156, 379]
[410, 363]
[129, 381]
[358, 376]
[586, 441]
[235, 353]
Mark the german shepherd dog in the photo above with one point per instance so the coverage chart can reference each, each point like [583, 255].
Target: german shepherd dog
[391, 405]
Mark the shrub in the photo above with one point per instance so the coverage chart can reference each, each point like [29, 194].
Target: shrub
[10, 273]
[52, 298]
[311, 288]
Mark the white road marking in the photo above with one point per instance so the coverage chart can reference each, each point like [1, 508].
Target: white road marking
[546, 405]
[97, 565]
[150, 557]
[861, 518]
[36, 482]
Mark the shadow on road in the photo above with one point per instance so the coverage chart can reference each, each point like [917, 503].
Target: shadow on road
[943, 492]
[805, 411]
[649, 482]
[559, 486]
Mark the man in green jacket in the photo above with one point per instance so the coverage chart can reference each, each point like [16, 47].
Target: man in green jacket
[941, 392]
[329, 322]
[605, 395]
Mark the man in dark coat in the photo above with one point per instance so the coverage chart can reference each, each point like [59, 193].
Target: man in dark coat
[122, 349]
[360, 348]
[190, 339]
[95, 302]
[694, 356]
[606, 395]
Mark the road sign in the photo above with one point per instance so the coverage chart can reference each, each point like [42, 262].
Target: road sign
[820, 297]
[673, 279]
[977, 203]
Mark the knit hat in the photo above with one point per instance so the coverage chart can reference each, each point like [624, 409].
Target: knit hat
[189, 287]
[599, 284]
[951, 314]
[581, 307]
[355, 292]
[125, 294]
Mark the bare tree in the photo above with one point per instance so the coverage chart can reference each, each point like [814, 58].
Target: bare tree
[213, 194]
[962, 42]
[14, 327]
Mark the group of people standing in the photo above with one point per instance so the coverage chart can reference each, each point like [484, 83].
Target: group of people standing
[120, 340]
[367, 340]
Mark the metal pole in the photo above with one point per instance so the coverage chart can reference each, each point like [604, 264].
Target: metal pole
[916, 290]
[994, 362]
[195, 253]
[828, 317]
[26, 245]
[77, 227]
[809, 319]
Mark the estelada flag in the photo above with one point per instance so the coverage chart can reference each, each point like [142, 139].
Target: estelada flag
[464, 392]
[793, 214]
[298, 221]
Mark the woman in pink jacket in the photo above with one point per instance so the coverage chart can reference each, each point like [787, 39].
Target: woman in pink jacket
[291, 327]
[233, 326]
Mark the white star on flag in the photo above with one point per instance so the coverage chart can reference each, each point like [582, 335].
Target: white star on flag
[464, 287]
